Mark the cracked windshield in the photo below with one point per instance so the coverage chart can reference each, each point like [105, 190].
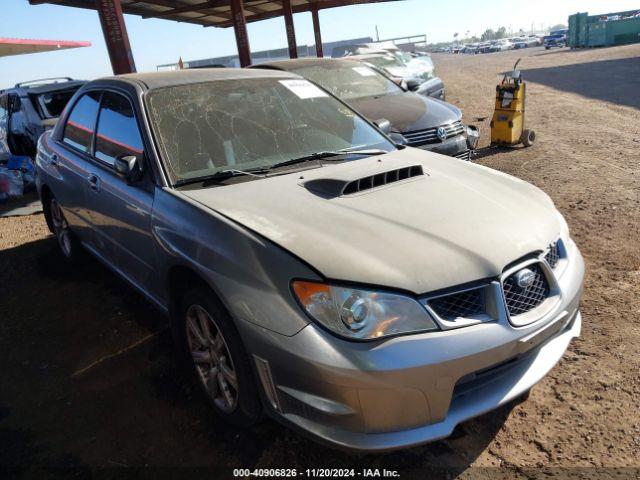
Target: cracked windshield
[250, 124]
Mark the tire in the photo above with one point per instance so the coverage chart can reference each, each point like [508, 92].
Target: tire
[223, 372]
[528, 137]
[69, 244]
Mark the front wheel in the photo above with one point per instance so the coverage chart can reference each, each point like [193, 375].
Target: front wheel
[67, 241]
[215, 358]
[528, 137]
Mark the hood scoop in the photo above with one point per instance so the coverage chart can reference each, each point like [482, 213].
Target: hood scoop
[332, 187]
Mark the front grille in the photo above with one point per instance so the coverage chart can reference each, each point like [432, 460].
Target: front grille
[464, 155]
[520, 300]
[553, 255]
[430, 135]
[459, 305]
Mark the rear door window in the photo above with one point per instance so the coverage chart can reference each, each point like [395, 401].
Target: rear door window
[78, 132]
[118, 134]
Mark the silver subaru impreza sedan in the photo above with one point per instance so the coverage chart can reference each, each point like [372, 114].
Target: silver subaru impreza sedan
[369, 294]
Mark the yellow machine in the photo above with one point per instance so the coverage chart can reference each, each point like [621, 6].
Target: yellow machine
[507, 125]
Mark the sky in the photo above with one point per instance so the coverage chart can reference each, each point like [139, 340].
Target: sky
[156, 42]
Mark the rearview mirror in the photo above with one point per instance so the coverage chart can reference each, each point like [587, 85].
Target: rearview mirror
[384, 125]
[128, 167]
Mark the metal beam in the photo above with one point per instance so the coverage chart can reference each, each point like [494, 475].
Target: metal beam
[291, 31]
[316, 31]
[240, 28]
[115, 36]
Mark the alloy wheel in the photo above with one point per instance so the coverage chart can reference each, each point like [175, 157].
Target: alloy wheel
[61, 228]
[212, 358]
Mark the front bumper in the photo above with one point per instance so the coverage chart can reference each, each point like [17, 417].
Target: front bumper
[412, 389]
[452, 147]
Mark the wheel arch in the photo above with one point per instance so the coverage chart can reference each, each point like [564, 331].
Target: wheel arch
[45, 196]
[181, 278]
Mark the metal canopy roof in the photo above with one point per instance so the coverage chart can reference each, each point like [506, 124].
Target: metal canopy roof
[210, 13]
[22, 46]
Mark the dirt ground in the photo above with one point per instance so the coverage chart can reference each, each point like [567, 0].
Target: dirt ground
[88, 381]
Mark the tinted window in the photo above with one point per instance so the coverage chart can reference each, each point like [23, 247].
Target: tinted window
[118, 132]
[78, 132]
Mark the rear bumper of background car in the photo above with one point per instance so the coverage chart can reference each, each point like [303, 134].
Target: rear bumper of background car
[411, 389]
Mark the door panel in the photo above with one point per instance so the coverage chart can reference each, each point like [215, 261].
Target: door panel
[119, 212]
[68, 164]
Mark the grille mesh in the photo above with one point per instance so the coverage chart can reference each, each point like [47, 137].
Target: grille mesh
[466, 155]
[430, 135]
[553, 255]
[520, 300]
[459, 305]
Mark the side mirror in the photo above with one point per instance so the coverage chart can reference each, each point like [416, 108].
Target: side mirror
[384, 125]
[128, 167]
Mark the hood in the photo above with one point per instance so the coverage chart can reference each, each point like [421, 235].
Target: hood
[407, 111]
[456, 223]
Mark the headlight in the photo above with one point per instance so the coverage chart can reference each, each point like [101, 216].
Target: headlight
[362, 314]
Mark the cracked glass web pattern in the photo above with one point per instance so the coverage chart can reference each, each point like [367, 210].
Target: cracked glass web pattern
[249, 123]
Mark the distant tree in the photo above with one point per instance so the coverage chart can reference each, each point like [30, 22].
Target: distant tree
[488, 34]
[501, 33]
[455, 36]
[559, 26]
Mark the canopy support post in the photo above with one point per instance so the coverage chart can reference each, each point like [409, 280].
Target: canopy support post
[316, 30]
[291, 33]
[116, 36]
[240, 28]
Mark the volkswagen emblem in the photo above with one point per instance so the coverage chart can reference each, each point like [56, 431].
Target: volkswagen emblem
[442, 134]
[525, 278]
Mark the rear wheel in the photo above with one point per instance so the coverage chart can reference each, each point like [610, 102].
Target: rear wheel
[215, 358]
[528, 137]
[67, 241]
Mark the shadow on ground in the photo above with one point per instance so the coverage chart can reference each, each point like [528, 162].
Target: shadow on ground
[598, 80]
[133, 408]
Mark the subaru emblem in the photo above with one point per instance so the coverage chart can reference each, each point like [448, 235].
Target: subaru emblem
[442, 134]
[525, 278]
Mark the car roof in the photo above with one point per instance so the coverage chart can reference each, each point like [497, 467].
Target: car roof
[173, 78]
[43, 88]
[293, 65]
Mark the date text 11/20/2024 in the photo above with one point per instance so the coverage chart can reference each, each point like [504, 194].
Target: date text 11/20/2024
[316, 473]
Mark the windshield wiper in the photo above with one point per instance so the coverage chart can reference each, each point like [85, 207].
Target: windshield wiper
[325, 155]
[222, 175]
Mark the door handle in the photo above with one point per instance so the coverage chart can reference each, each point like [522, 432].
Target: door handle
[53, 160]
[94, 182]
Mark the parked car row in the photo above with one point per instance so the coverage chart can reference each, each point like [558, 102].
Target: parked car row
[414, 71]
[502, 45]
[368, 293]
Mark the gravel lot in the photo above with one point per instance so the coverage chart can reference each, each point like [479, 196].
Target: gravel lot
[87, 373]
